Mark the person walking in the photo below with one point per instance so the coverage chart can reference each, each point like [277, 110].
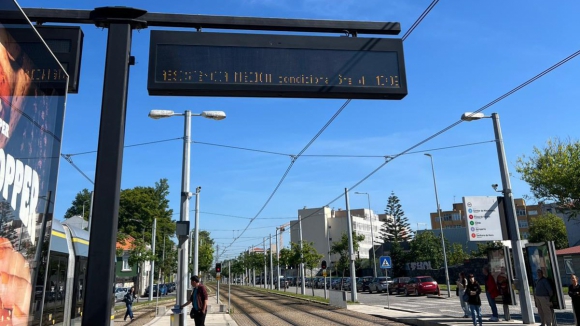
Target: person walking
[128, 299]
[491, 292]
[471, 295]
[543, 292]
[574, 293]
[199, 300]
[461, 285]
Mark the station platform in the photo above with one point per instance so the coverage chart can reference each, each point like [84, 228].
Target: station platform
[410, 318]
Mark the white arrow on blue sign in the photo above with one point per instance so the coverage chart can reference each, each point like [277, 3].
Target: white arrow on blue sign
[385, 261]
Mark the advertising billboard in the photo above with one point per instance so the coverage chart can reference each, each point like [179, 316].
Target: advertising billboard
[33, 89]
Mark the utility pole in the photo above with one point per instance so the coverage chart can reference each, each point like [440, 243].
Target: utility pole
[278, 261]
[353, 293]
[152, 261]
[303, 279]
[271, 266]
[264, 279]
[196, 245]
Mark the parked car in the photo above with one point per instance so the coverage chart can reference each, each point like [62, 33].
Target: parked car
[365, 283]
[379, 284]
[120, 293]
[162, 290]
[422, 285]
[171, 287]
[398, 285]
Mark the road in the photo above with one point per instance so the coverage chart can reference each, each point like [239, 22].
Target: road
[441, 305]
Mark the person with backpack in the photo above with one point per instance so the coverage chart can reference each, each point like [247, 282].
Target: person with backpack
[128, 299]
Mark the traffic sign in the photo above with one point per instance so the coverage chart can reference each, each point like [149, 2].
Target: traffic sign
[385, 262]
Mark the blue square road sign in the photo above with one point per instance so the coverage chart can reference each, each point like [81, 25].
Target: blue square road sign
[385, 261]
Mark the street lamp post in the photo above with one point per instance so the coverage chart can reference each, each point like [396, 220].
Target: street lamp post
[372, 231]
[510, 211]
[441, 228]
[185, 195]
[196, 226]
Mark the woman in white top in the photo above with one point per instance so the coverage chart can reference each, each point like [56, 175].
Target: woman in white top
[461, 285]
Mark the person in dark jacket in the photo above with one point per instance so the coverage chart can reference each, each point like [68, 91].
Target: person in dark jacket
[574, 293]
[129, 298]
[472, 291]
[199, 299]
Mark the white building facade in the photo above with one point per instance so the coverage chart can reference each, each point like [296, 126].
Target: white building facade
[324, 226]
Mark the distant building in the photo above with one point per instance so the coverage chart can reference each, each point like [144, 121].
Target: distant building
[127, 275]
[457, 219]
[324, 226]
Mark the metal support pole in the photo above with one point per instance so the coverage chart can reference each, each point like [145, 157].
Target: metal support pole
[99, 300]
[271, 266]
[196, 226]
[372, 231]
[522, 277]
[182, 283]
[353, 294]
[152, 261]
[303, 279]
[441, 229]
[329, 261]
[230, 287]
[278, 262]
[90, 212]
[265, 278]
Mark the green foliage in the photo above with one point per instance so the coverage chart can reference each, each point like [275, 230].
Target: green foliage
[82, 198]
[456, 255]
[427, 247]
[341, 248]
[553, 174]
[205, 252]
[396, 229]
[398, 259]
[484, 247]
[287, 258]
[549, 227]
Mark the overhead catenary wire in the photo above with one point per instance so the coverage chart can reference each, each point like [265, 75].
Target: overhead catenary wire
[345, 104]
[486, 106]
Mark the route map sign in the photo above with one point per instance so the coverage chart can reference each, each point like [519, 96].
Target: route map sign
[483, 218]
[264, 65]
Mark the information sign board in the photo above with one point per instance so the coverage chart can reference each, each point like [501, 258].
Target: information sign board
[483, 218]
[265, 65]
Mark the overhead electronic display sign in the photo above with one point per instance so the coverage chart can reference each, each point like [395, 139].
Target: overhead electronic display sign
[263, 65]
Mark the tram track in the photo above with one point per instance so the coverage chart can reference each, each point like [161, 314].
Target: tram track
[295, 311]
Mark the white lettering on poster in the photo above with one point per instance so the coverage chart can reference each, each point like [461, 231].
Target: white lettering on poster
[20, 185]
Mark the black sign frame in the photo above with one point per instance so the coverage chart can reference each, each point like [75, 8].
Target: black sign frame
[272, 41]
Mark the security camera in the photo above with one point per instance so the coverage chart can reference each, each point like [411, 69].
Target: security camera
[198, 189]
[494, 186]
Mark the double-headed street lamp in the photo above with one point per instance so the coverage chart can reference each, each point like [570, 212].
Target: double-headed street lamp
[441, 228]
[372, 231]
[182, 283]
[510, 211]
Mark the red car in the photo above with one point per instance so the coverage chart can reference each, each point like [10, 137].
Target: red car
[422, 285]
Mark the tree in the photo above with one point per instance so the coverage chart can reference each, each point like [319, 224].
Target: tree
[456, 255]
[484, 247]
[81, 203]
[396, 229]
[342, 248]
[427, 247]
[398, 259]
[553, 174]
[205, 252]
[310, 257]
[549, 227]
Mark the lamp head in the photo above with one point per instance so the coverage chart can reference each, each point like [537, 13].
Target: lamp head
[214, 115]
[470, 116]
[427, 154]
[158, 114]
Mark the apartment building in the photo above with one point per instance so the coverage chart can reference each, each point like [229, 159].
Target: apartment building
[324, 226]
[456, 217]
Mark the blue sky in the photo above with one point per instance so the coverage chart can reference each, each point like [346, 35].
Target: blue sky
[462, 56]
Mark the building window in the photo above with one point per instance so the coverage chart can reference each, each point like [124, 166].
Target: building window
[525, 235]
[523, 224]
[521, 212]
[126, 266]
[456, 217]
[533, 213]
